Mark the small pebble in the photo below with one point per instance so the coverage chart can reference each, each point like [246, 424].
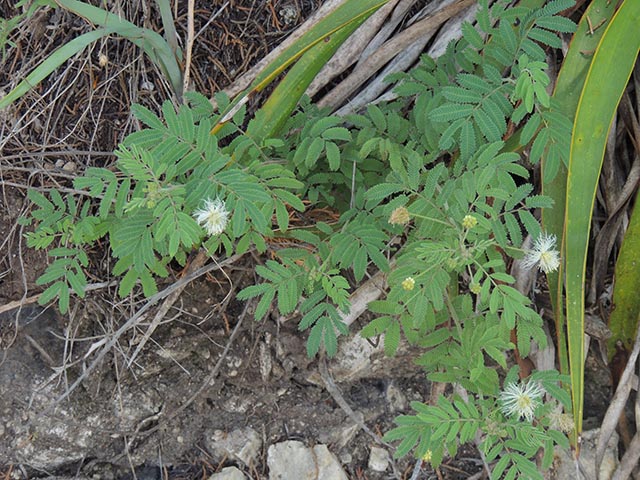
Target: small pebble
[379, 459]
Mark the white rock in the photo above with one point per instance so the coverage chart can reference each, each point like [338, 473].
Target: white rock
[229, 473]
[289, 460]
[265, 361]
[243, 444]
[379, 459]
[341, 435]
[293, 460]
[396, 399]
[328, 465]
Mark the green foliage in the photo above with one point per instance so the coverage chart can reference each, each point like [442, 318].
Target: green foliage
[439, 430]
[164, 173]
[427, 178]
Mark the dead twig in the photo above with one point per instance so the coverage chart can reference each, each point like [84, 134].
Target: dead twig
[132, 322]
[195, 264]
[34, 298]
[350, 51]
[337, 396]
[616, 407]
[629, 460]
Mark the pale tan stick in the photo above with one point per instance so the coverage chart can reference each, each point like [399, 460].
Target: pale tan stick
[617, 404]
[34, 298]
[365, 294]
[629, 460]
[388, 28]
[378, 90]
[341, 93]
[351, 50]
[189, 46]
[19, 303]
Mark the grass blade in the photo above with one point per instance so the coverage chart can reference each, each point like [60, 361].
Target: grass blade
[566, 94]
[351, 12]
[277, 109]
[606, 80]
[624, 318]
[152, 43]
[52, 62]
[170, 33]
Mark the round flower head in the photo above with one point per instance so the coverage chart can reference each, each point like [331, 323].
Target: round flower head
[469, 221]
[213, 216]
[427, 456]
[521, 399]
[400, 216]
[562, 421]
[543, 254]
[408, 283]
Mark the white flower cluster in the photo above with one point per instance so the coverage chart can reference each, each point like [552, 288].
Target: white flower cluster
[521, 399]
[213, 217]
[544, 255]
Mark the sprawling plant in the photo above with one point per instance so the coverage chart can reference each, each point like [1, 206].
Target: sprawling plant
[429, 179]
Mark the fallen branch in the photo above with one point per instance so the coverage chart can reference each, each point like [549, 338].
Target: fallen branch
[337, 396]
[34, 298]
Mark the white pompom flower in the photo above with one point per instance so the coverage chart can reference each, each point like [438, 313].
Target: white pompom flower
[521, 399]
[213, 217]
[544, 255]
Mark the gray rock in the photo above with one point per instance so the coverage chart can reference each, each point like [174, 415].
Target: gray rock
[293, 460]
[229, 473]
[243, 444]
[396, 399]
[328, 465]
[379, 459]
[341, 435]
[564, 462]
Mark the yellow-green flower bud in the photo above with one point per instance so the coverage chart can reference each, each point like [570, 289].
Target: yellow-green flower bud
[408, 284]
[469, 221]
[427, 456]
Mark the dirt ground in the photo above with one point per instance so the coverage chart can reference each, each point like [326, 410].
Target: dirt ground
[157, 416]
